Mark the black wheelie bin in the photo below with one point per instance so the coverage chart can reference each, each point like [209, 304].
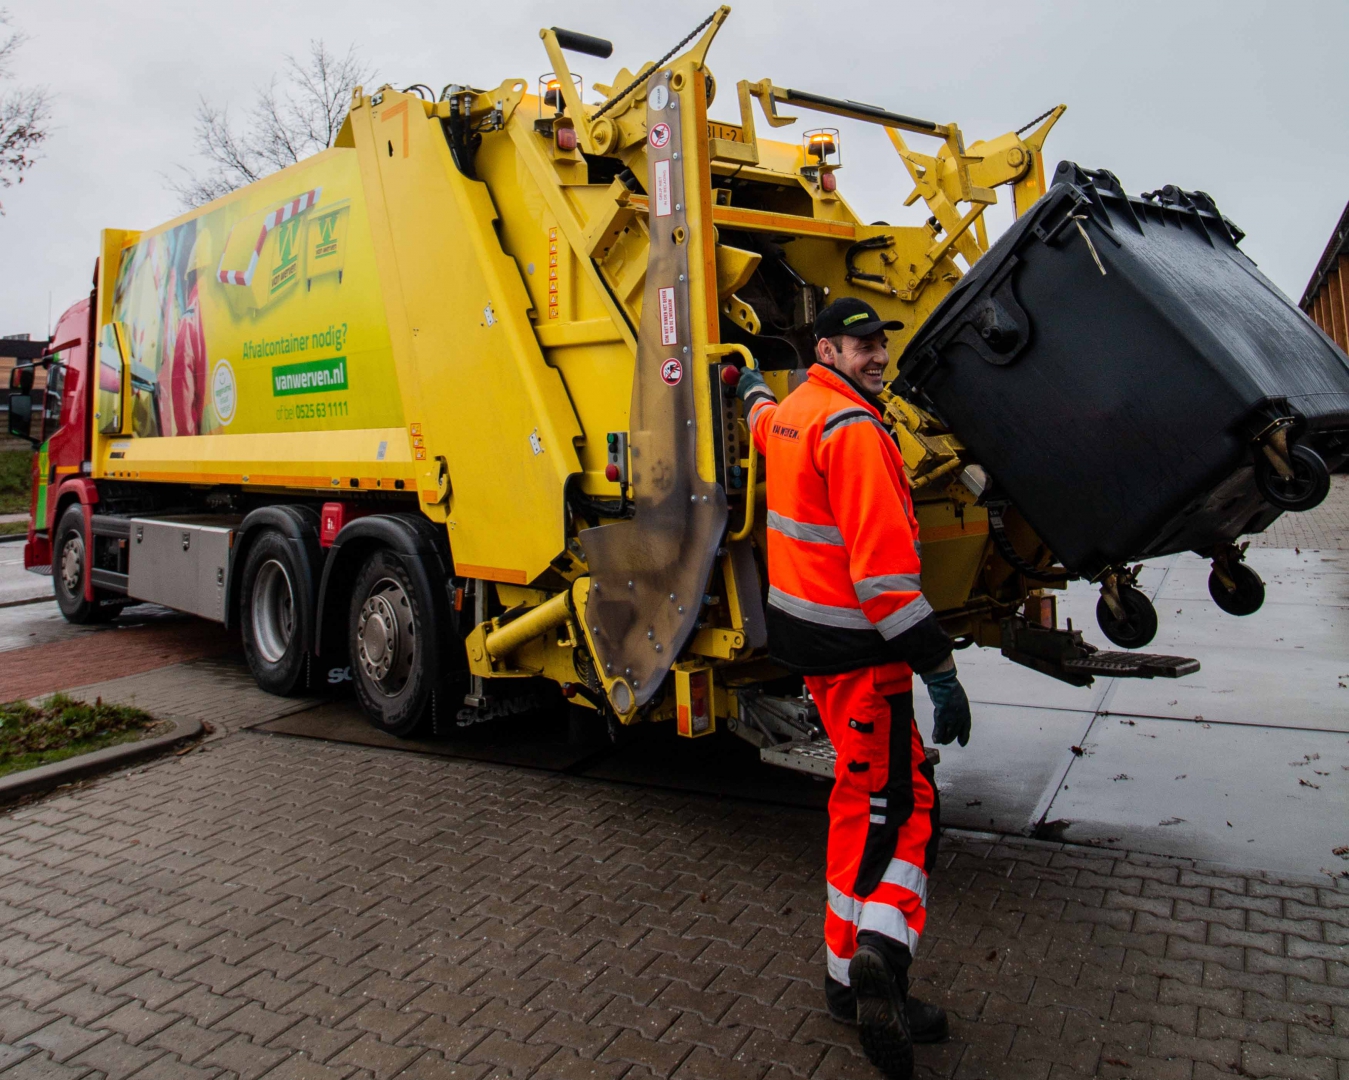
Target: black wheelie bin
[1130, 380]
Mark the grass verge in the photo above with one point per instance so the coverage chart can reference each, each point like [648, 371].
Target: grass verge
[62, 727]
[16, 473]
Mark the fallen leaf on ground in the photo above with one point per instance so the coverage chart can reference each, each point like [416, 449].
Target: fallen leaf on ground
[1307, 783]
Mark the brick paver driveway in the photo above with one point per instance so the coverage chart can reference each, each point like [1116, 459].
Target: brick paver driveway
[285, 908]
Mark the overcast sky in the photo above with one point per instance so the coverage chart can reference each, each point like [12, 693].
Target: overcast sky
[1245, 100]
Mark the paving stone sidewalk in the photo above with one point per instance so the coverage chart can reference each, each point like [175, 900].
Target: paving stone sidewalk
[290, 909]
[1325, 528]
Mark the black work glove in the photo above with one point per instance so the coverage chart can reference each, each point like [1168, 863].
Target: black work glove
[950, 707]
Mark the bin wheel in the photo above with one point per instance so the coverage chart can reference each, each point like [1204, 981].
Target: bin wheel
[272, 622]
[70, 568]
[1139, 625]
[1245, 598]
[392, 640]
[1308, 486]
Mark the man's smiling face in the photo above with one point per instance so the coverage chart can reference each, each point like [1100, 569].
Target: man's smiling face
[863, 360]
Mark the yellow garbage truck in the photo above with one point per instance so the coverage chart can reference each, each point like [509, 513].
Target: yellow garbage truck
[448, 409]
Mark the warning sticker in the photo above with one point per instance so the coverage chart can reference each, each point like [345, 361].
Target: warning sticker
[662, 189]
[671, 371]
[660, 135]
[668, 334]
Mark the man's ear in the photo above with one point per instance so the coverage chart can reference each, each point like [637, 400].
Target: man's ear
[825, 352]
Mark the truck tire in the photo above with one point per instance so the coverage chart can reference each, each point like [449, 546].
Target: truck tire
[269, 609]
[391, 637]
[70, 570]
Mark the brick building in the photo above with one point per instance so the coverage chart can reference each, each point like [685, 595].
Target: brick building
[1326, 298]
[14, 348]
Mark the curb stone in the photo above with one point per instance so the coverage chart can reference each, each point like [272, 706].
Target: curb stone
[45, 777]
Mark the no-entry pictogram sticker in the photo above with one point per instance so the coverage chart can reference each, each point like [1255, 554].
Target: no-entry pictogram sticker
[660, 135]
[672, 371]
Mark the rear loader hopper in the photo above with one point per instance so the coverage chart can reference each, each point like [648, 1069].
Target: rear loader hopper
[448, 409]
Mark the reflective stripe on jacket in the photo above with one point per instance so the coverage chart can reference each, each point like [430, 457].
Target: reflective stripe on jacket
[843, 551]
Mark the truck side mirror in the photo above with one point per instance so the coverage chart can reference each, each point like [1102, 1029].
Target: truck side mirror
[21, 378]
[20, 411]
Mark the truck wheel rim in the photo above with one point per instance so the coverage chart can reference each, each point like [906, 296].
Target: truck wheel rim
[384, 637]
[72, 566]
[273, 611]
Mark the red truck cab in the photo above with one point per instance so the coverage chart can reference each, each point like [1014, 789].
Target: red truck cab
[56, 421]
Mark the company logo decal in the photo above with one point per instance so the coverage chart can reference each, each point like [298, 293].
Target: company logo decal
[223, 393]
[313, 377]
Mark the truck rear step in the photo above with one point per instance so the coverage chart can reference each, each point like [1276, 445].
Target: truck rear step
[814, 756]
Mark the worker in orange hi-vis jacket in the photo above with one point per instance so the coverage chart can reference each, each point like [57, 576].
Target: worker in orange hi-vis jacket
[846, 610]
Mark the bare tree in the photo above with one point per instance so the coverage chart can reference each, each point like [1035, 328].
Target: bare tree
[293, 117]
[24, 113]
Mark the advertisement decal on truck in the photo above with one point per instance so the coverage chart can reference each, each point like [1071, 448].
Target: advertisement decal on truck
[278, 284]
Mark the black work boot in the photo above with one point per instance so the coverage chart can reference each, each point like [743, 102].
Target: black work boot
[927, 1023]
[841, 1000]
[881, 985]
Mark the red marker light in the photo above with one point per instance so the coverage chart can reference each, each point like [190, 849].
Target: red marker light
[566, 138]
[730, 375]
[611, 473]
[828, 182]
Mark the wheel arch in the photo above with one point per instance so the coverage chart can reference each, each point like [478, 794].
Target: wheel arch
[420, 546]
[80, 490]
[300, 527]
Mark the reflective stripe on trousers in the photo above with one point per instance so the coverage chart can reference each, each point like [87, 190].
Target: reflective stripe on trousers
[882, 813]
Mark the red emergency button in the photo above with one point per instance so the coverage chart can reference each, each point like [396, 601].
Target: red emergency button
[611, 473]
[730, 375]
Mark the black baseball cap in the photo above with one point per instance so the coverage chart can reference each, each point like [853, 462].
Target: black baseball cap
[853, 317]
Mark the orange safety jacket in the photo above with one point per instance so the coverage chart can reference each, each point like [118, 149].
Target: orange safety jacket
[843, 549]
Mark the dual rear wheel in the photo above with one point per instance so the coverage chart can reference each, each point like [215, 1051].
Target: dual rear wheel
[396, 661]
[272, 619]
[402, 655]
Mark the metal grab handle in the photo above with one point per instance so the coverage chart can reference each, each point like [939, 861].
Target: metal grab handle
[748, 525]
[723, 348]
[750, 497]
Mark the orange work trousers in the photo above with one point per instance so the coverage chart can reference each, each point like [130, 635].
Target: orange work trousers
[883, 813]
